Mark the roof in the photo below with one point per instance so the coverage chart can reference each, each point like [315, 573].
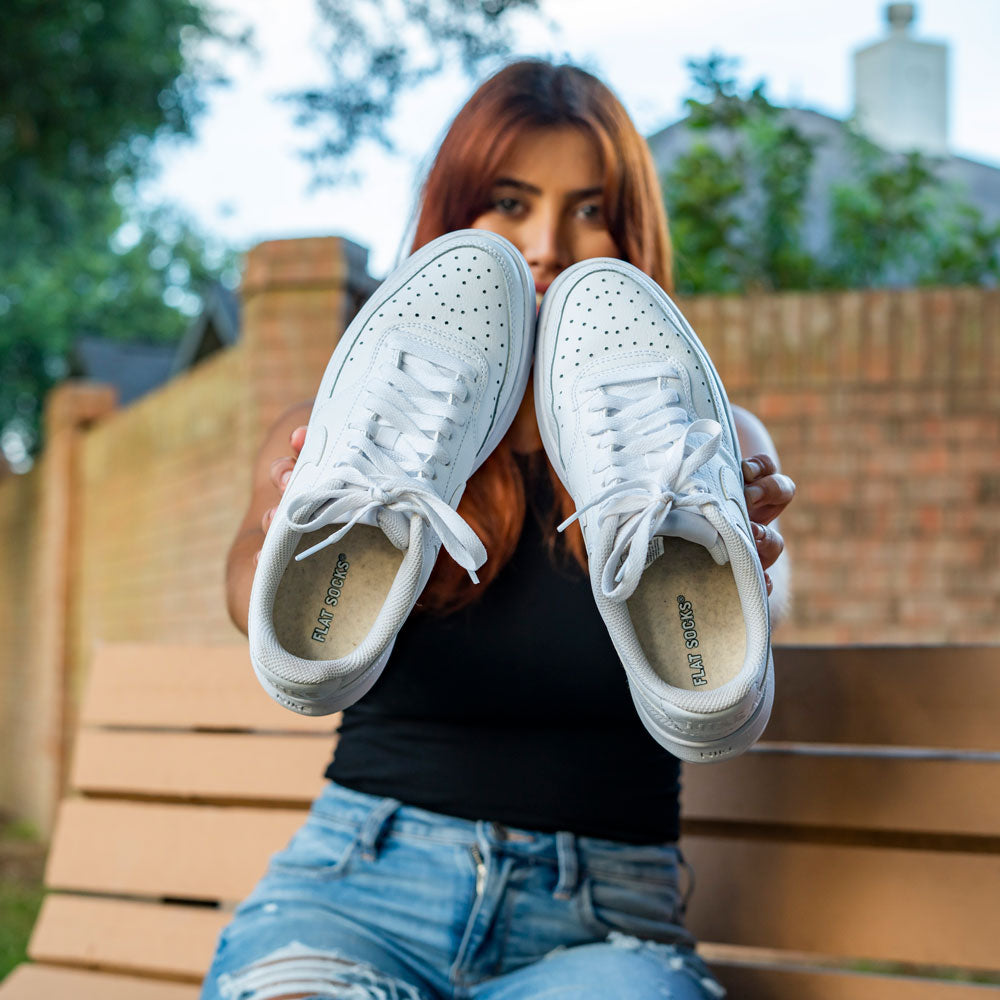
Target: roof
[132, 368]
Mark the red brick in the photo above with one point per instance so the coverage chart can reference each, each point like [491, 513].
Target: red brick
[876, 345]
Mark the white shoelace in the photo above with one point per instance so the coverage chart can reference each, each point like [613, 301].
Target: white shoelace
[412, 406]
[647, 468]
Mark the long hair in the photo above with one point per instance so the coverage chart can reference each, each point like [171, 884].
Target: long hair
[522, 97]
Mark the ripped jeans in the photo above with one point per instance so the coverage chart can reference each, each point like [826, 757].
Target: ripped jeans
[373, 900]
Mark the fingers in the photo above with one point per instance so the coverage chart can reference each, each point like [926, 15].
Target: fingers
[769, 543]
[756, 466]
[767, 496]
[281, 472]
[281, 468]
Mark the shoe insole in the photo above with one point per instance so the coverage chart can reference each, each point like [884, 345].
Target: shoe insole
[688, 618]
[326, 604]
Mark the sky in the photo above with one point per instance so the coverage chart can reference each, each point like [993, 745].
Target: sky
[243, 179]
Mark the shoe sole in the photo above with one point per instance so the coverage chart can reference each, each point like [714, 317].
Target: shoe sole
[715, 750]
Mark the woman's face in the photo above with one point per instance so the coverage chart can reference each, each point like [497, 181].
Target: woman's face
[547, 200]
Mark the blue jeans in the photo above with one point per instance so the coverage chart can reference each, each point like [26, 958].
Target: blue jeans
[372, 900]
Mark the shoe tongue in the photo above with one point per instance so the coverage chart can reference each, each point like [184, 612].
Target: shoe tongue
[692, 527]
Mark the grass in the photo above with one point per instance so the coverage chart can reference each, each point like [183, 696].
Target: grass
[18, 908]
[20, 891]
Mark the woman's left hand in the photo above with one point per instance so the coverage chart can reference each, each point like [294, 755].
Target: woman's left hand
[767, 494]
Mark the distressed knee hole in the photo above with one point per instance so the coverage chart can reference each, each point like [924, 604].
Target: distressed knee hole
[297, 972]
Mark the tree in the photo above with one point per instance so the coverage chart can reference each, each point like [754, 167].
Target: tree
[379, 49]
[737, 201]
[85, 88]
[896, 221]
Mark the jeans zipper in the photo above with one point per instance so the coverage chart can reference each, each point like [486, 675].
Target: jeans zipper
[477, 856]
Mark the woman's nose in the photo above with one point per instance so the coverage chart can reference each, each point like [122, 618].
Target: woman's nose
[544, 246]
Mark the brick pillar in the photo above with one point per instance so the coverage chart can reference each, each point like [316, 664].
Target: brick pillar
[43, 742]
[298, 297]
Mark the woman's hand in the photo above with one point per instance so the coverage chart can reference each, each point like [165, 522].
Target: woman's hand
[281, 471]
[767, 494]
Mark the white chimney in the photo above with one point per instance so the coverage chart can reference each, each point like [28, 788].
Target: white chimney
[901, 88]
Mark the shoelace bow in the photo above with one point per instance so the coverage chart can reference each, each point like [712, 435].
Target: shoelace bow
[411, 413]
[639, 493]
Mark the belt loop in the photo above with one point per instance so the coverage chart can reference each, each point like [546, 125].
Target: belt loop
[569, 865]
[374, 825]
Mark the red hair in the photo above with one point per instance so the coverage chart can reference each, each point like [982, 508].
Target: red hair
[522, 97]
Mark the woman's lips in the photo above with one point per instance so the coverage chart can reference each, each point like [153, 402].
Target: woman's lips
[540, 290]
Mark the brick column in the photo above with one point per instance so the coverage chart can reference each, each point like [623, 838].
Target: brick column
[298, 297]
[45, 729]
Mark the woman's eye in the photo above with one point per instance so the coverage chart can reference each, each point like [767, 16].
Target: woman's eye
[591, 211]
[506, 204]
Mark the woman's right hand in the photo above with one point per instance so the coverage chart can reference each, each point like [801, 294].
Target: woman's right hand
[281, 471]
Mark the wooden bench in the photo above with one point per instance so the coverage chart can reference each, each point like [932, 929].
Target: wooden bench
[865, 831]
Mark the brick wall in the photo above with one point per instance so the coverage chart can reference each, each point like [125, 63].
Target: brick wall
[885, 407]
[165, 483]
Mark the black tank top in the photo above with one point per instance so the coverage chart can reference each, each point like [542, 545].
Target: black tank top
[514, 709]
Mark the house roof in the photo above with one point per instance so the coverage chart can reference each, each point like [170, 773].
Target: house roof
[132, 368]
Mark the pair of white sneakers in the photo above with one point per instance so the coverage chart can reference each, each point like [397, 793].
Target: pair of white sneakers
[422, 387]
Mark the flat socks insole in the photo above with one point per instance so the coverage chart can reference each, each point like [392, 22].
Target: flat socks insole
[326, 604]
[688, 618]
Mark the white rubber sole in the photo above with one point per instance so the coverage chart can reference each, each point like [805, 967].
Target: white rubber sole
[716, 749]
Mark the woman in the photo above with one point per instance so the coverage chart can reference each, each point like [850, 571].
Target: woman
[498, 823]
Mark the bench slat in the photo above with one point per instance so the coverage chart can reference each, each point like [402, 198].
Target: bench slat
[164, 940]
[896, 695]
[204, 686]
[917, 796]
[40, 982]
[879, 903]
[746, 983]
[213, 766]
[891, 695]
[180, 941]
[153, 849]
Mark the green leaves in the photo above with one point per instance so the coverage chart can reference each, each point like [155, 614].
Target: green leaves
[85, 87]
[897, 220]
[740, 199]
[380, 49]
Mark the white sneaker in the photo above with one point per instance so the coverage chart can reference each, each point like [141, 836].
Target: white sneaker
[636, 422]
[420, 389]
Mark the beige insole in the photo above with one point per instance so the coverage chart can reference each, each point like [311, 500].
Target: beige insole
[326, 604]
[688, 618]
